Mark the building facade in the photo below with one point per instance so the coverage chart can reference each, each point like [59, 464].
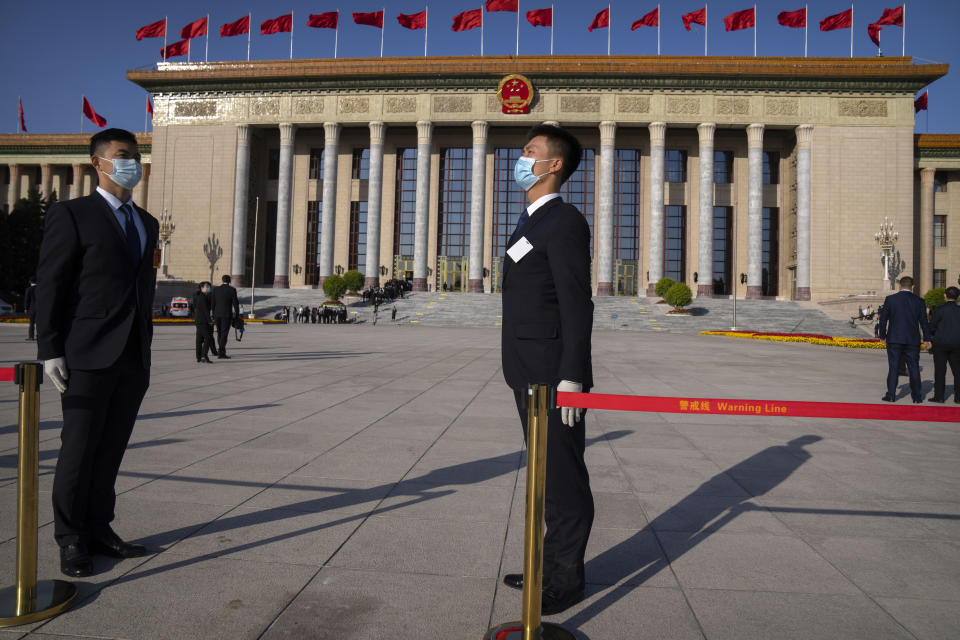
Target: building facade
[767, 176]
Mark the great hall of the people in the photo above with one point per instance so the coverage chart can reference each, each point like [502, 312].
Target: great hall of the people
[771, 175]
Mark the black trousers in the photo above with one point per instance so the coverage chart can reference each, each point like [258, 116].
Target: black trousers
[223, 334]
[99, 410]
[942, 354]
[31, 330]
[205, 341]
[568, 508]
[911, 355]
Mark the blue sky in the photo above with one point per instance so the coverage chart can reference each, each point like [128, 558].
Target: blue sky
[53, 51]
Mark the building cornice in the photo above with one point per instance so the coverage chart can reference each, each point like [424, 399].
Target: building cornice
[937, 145]
[58, 143]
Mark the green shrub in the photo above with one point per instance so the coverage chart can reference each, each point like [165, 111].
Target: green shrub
[663, 284]
[353, 279]
[334, 287]
[934, 298]
[678, 296]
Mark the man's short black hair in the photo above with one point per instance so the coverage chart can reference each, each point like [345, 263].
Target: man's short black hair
[105, 137]
[951, 293]
[225, 279]
[203, 284]
[906, 282]
[562, 143]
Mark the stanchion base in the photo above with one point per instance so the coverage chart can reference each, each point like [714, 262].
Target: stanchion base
[53, 597]
[514, 631]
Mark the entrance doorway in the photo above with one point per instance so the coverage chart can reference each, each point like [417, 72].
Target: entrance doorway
[626, 277]
[452, 273]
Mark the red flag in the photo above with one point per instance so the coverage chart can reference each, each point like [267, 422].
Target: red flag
[540, 17]
[374, 19]
[92, 115]
[237, 28]
[280, 24]
[740, 20]
[694, 17]
[467, 20]
[149, 106]
[328, 20]
[156, 30]
[194, 29]
[892, 17]
[842, 20]
[652, 19]
[413, 20]
[23, 125]
[179, 48]
[795, 19]
[873, 30]
[920, 104]
[600, 20]
[503, 5]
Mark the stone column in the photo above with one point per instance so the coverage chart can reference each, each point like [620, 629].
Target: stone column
[705, 268]
[281, 265]
[77, 187]
[59, 182]
[46, 179]
[13, 189]
[924, 277]
[328, 208]
[478, 185]
[604, 225]
[374, 200]
[658, 134]
[241, 190]
[754, 211]
[804, 135]
[144, 200]
[422, 221]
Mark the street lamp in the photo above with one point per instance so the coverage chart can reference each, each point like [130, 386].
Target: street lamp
[886, 238]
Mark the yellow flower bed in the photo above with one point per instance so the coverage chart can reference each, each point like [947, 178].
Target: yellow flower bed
[810, 338]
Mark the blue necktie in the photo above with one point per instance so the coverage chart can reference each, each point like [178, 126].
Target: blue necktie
[131, 233]
[522, 221]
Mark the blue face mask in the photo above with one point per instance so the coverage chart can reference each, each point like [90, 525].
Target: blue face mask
[523, 173]
[126, 172]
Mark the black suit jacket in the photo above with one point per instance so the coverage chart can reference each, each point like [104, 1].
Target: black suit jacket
[201, 308]
[225, 303]
[945, 323]
[902, 318]
[30, 298]
[547, 306]
[89, 293]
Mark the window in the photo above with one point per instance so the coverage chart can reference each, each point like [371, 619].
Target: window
[404, 219]
[273, 165]
[723, 167]
[313, 242]
[676, 167]
[722, 249]
[771, 167]
[361, 164]
[453, 222]
[316, 164]
[675, 242]
[939, 278]
[626, 204]
[939, 182]
[578, 190]
[357, 254]
[771, 251]
[939, 231]
[509, 200]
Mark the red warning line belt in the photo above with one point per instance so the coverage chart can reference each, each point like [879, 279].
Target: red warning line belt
[777, 408]
[6, 374]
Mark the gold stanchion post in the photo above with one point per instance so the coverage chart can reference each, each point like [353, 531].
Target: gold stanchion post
[531, 627]
[29, 600]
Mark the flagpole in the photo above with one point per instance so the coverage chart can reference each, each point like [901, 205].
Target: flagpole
[609, 27]
[518, 28]
[19, 108]
[188, 49]
[755, 22]
[81, 112]
[206, 51]
[658, 29]
[553, 18]
[903, 32]
[249, 29]
[482, 20]
[851, 29]
[291, 34]
[426, 28]
[165, 19]
[806, 9]
[705, 23]
[145, 111]
[383, 28]
[336, 35]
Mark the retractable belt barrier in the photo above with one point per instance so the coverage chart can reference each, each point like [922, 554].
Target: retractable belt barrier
[29, 600]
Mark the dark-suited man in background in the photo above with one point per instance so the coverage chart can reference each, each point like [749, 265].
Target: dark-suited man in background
[225, 307]
[547, 324]
[203, 320]
[30, 306]
[945, 328]
[94, 306]
[902, 318]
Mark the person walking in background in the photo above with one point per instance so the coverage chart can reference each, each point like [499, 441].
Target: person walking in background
[945, 327]
[225, 307]
[902, 319]
[203, 320]
[96, 284]
[30, 306]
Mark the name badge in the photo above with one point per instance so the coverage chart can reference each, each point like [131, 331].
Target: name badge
[156, 258]
[521, 248]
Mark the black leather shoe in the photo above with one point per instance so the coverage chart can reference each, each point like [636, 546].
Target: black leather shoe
[918, 401]
[937, 400]
[887, 398]
[554, 603]
[514, 580]
[206, 359]
[110, 544]
[75, 561]
[223, 356]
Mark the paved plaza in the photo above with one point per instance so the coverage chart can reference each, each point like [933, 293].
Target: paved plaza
[367, 482]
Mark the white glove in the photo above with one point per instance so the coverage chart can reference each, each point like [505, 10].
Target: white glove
[570, 415]
[56, 370]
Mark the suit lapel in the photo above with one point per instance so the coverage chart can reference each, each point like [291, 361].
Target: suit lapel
[534, 220]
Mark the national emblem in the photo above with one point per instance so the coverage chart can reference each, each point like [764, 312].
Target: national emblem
[515, 94]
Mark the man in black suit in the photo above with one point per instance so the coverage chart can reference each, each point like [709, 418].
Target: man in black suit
[202, 319]
[945, 327]
[547, 325]
[225, 308]
[30, 306]
[902, 318]
[94, 306]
